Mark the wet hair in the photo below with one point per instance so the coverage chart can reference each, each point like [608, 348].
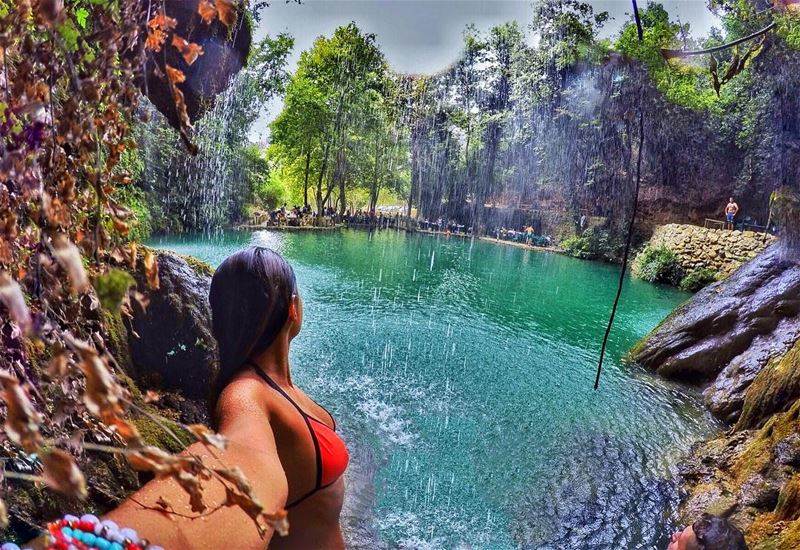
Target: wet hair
[251, 292]
[716, 533]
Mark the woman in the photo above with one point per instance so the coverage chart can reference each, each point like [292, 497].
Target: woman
[282, 440]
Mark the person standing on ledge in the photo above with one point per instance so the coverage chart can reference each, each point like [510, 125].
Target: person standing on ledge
[730, 213]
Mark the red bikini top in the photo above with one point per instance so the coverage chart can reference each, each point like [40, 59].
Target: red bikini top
[331, 452]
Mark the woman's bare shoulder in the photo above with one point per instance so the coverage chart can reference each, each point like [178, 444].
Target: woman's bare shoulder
[245, 394]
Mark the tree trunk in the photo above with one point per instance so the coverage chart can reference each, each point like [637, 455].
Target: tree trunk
[305, 177]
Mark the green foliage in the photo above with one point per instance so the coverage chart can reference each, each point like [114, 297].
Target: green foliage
[788, 28]
[697, 279]
[111, 288]
[681, 82]
[577, 247]
[595, 244]
[657, 264]
[338, 131]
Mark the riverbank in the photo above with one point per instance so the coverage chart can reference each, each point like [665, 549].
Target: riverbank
[739, 340]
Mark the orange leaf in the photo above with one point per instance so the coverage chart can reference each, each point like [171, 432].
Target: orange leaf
[155, 39]
[189, 50]
[207, 436]
[162, 21]
[227, 12]
[22, 420]
[62, 474]
[175, 76]
[151, 269]
[3, 514]
[151, 396]
[11, 296]
[207, 11]
[69, 258]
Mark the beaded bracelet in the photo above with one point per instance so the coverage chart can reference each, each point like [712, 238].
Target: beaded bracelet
[87, 533]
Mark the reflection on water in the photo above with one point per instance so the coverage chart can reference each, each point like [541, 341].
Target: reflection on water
[461, 374]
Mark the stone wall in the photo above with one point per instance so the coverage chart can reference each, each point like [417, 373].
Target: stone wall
[718, 249]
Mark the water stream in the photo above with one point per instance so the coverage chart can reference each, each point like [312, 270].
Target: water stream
[461, 375]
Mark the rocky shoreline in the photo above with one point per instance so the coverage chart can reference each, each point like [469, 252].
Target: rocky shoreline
[740, 339]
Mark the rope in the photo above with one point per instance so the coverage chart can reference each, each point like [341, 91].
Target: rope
[633, 214]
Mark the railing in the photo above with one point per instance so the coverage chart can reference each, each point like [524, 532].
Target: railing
[713, 224]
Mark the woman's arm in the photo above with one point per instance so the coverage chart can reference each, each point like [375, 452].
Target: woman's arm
[251, 448]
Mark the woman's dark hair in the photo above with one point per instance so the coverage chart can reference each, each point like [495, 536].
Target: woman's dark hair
[251, 292]
[716, 533]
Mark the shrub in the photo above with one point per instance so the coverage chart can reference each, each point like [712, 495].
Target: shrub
[595, 244]
[577, 247]
[658, 264]
[697, 279]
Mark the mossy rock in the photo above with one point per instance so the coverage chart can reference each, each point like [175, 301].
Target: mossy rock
[775, 389]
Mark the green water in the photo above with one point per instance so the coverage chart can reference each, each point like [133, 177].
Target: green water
[461, 375]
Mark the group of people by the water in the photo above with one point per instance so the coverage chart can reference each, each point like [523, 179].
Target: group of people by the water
[525, 235]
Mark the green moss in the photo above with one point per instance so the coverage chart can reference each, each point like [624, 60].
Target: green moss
[775, 388]
[199, 266]
[154, 434]
[698, 279]
[111, 288]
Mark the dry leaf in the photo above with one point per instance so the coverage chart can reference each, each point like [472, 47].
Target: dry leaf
[151, 396]
[151, 269]
[69, 258]
[163, 503]
[207, 436]
[126, 431]
[227, 11]
[11, 296]
[162, 21]
[58, 365]
[175, 76]
[192, 485]
[62, 474]
[103, 394]
[207, 11]
[3, 514]
[22, 420]
[189, 50]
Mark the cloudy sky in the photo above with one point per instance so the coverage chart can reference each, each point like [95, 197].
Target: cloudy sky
[424, 36]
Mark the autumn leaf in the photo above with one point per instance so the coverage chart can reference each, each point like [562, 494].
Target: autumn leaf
[58, 365]
[227, 11]
[162, 21]
[22, 420]
[207, 436]
[194, 488]
[189, 50]
[126, 431]
[175, 76]
[151, 397]
[69, 258]
[207, 11]
[13, 299]
[151, 269]
[3, 514]
[155, 39]
[62, 474]
[103, 394]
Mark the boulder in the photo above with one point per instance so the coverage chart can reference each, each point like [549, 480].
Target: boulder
[225, 52]
[170, 341]
[721, 325]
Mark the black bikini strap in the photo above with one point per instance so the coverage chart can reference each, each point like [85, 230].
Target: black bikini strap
[318, 454]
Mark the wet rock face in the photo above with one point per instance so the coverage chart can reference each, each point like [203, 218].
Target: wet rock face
[170, 342]
[728, 332]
